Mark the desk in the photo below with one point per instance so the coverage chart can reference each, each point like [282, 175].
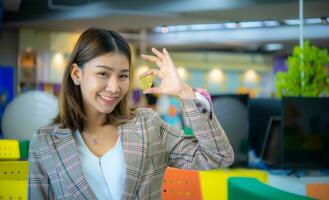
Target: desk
[296, 185]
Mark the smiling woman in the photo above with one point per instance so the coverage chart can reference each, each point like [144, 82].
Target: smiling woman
[99, 148]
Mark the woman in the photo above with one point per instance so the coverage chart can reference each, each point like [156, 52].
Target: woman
[98, 147]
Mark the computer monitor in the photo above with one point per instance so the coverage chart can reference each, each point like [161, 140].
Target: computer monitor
[305, 129]
[271, 153]
[260, 111]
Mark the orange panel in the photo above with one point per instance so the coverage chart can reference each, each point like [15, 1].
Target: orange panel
[181, 184]
[318, 190]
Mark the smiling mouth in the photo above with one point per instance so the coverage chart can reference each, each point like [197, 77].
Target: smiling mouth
[107, 99]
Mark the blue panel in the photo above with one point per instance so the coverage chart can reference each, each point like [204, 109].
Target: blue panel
[7, 88]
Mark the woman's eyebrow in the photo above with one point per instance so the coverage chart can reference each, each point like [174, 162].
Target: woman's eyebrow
[112, 69]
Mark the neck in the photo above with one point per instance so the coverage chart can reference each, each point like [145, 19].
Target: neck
[95, 121]
[92, 126]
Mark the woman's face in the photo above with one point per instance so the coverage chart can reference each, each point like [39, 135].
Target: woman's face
[104, 81]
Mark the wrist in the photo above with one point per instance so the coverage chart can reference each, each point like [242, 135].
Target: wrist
[186, 93]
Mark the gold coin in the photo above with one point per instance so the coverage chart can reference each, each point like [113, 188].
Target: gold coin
[145, 82]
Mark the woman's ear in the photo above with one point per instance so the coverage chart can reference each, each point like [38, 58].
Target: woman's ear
[76, 74]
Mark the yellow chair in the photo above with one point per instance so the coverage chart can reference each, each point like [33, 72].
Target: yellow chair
[9, 150]
[13, 179]
[214, 183]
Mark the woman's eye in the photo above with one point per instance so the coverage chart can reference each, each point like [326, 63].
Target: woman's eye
[124, 76]
[102, 74]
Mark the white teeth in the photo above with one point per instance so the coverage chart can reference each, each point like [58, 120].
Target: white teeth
[107, 98]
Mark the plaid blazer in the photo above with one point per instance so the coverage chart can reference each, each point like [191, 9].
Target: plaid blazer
[149, 145]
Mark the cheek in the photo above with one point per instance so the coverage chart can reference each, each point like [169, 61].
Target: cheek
[91, 85]
[125, 85]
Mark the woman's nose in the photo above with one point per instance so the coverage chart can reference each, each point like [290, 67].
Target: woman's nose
[113, 85]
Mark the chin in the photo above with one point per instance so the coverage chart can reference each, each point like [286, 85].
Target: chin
[107, 110]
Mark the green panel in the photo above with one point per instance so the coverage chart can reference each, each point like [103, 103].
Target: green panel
[24, 149]
[251, 188]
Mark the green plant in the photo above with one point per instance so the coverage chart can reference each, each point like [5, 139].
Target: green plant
[307, 73]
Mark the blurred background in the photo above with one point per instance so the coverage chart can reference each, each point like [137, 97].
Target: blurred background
[272, 101]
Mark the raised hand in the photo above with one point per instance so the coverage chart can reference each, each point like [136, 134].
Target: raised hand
[171, 83]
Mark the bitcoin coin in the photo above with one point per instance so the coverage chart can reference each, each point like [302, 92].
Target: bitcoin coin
[145, 82]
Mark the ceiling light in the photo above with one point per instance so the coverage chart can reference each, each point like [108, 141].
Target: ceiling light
[313, 21]
[250, 76]
[292, 21]
[216, 76]
[231, 25]
[199, 27]
[271, 23]
[164, 29]
[273, 47]
[179, 28]
[58, 61]
[250, 24]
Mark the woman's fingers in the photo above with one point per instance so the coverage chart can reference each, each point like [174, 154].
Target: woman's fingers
[153, 59]
[165, 52]
[160, 59]
[158, 53]
[160, 56]
[150, 72]
[167, 55]
[152, 90]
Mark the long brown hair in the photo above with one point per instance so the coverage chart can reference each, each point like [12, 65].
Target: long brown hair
[91, 44]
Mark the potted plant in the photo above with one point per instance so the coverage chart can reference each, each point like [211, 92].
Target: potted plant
[307, 73]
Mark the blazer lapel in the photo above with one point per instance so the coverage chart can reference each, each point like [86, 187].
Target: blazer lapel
[68, 160]
[134, 145]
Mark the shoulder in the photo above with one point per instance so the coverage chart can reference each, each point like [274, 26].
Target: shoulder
[46, 130]
[39, 140]
[40, 137]
[52, 129]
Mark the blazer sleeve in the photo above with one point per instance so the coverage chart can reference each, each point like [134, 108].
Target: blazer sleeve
[38, 181]
[207, 148]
